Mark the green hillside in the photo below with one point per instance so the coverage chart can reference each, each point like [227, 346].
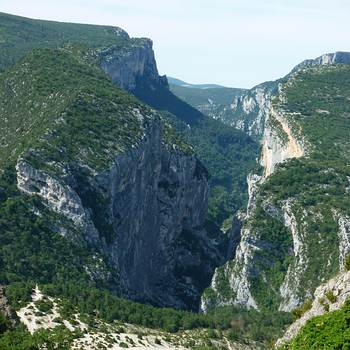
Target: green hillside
[19, 35]
[199, 97]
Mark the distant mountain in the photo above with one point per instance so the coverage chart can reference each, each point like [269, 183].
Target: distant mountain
[210, 99]
[178, 82]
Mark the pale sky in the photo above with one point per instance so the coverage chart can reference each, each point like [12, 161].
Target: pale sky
[237, 43]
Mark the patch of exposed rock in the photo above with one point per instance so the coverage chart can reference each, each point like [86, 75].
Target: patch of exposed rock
[338, 286]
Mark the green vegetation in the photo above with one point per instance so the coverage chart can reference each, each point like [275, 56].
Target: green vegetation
[198, 98]
[48, 99]
[92, 302]
[273, 260]
[331, 297]
[55, 94]
[329, 331]
[315, 184]
[30, 249]
[229, 156]
[44, 305]
[21, 339]
[300, 311]
[347, 263]
[308, 192]
[56, 90]
[321, 95]
[19, 36]
[4, 323]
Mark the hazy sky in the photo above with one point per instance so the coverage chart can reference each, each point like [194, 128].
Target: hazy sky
[232, 42]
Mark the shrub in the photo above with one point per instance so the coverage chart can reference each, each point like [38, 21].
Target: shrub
[4, 323]
[331, 297]
[347, 263]
[300, 311]
[212, 334]
[324, 303]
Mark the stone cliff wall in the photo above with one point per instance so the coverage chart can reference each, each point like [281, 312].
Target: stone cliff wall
[145, 213]
[125, 66]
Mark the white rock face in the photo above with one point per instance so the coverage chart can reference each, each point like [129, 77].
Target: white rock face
[253, 181]
[344, 237]
[276, 150]
[238, 274]
[339, 286]
[326, 59]
[239, 278]
[60, 198]
[291, 284]
[249, 111]
[248, 104]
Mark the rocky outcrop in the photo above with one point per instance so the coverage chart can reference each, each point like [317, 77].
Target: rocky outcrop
[145, 214]
[249, 111]
[328, 58]
[127, 65]
[327, 297]
[60, 197]
[305, 210]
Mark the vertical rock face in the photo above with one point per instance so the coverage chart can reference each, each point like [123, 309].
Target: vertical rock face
[249, 111]
[344, 236]
[145, 213]
[158, 201]
[125, 66]
[279, 143]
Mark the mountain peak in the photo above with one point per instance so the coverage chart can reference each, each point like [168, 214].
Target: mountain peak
[338, 57]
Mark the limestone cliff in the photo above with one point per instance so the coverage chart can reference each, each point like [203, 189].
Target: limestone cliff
[150, 227]
[130, 64]
[249, 111]
[293, 236]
